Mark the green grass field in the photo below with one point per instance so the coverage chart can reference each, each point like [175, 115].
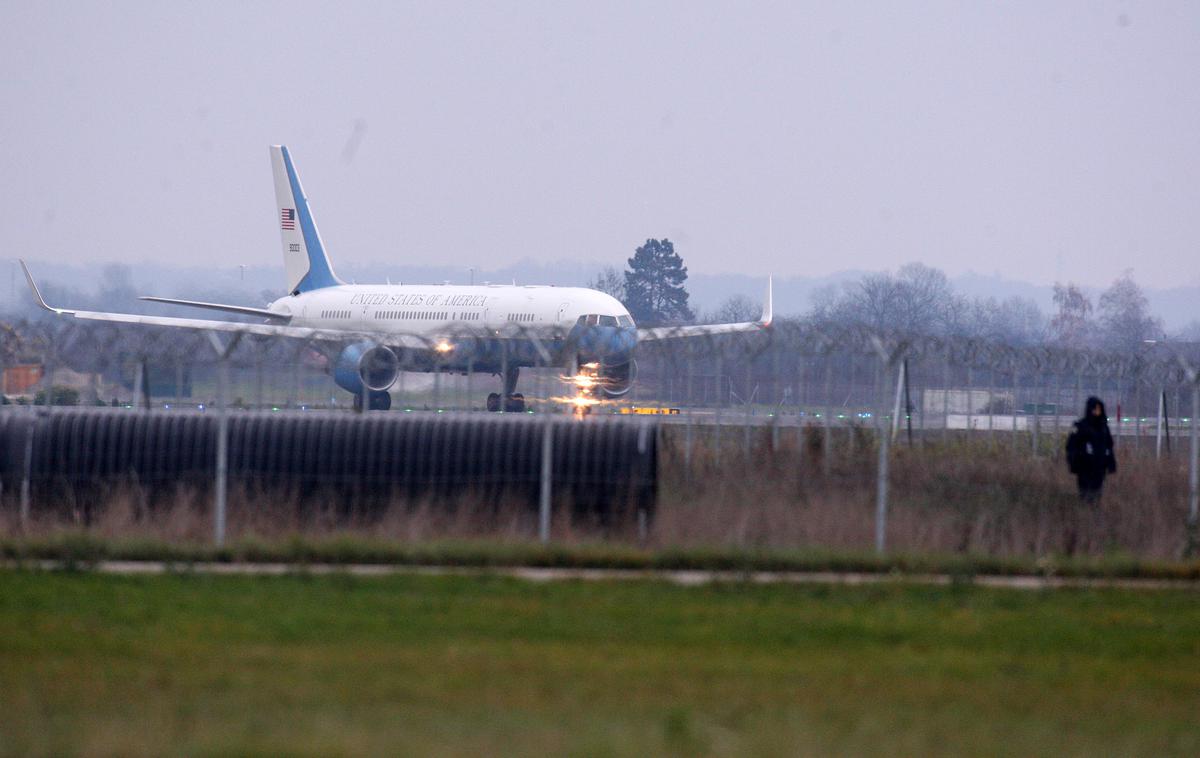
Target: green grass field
[196, 664]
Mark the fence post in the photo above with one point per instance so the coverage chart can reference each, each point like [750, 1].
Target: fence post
[1016, 383]
[471, 368]
[1194, 469]
[946, 395]
[27, 474]
[220, 484]
[222, 475]
[907, 404]
[687, 445]
[1057, 399]
[546, 483]
[747, 413]
[827, 461]
[258, 381]
[1137, 414]
[991, 407]
[970, 409]
[900, 393]
[1039, 392]
[881, 495]
[887, 358]
[1158, 433]
[717, 432]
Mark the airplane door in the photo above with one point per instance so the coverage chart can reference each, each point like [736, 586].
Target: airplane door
[562, 311]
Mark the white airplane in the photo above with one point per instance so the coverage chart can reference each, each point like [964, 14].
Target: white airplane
[374, 331]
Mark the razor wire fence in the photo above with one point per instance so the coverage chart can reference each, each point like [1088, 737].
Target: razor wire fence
[799, 371]
[839, 393]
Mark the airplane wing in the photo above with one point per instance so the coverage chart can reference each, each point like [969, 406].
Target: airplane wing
[265, 330]
[239, 309]
[707, 330]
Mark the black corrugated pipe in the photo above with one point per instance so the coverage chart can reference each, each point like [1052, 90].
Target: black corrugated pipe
[603, 467]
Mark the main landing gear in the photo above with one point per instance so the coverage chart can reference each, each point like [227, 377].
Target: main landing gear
[513, 401]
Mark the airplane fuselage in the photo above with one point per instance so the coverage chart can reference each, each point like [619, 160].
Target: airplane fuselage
[428, 310]
[565, 321]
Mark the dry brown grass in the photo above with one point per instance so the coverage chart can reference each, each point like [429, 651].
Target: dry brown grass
[962, 496]
[958, 496]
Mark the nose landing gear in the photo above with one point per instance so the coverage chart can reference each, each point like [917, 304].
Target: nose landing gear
[377, 400]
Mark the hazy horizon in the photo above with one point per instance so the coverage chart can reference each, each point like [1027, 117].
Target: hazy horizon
[258, 284]
[1038, 141]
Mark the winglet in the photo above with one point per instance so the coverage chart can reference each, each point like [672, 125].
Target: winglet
[768, 312]
[37, 295]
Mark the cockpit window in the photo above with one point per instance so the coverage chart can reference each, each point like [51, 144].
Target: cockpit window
[595, 319]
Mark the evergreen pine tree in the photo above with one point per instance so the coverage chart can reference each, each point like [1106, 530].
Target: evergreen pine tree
[654, 291]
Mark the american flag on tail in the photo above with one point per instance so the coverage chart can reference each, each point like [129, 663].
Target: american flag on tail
[288, 218]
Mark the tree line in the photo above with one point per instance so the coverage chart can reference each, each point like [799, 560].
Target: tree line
[916, 299]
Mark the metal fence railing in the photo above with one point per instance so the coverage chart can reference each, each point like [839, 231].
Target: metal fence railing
[846, 389]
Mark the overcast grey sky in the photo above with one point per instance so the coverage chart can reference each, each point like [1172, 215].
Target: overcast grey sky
[1037, 139]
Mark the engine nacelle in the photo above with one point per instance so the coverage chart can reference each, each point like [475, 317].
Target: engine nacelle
[617, 379]
[366, 364]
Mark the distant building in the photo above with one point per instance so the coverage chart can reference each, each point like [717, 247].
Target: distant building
[937, 401]
[19, 380]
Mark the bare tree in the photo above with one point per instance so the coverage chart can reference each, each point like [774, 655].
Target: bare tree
[1125, 317]
[610, 282]
[1014, 321]
[734, 310]
[916, 299]
[1071, 324]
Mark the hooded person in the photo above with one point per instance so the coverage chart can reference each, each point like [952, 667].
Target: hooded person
[1090, 453]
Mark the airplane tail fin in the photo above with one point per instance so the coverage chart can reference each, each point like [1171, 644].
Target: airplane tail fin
[304, 260]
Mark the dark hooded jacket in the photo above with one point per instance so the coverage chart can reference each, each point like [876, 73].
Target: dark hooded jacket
[1090, 447]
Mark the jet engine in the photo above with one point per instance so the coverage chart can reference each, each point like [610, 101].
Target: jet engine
[616, 378]
[366, 364]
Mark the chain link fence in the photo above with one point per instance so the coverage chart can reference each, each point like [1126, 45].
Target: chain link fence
[857, 409]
